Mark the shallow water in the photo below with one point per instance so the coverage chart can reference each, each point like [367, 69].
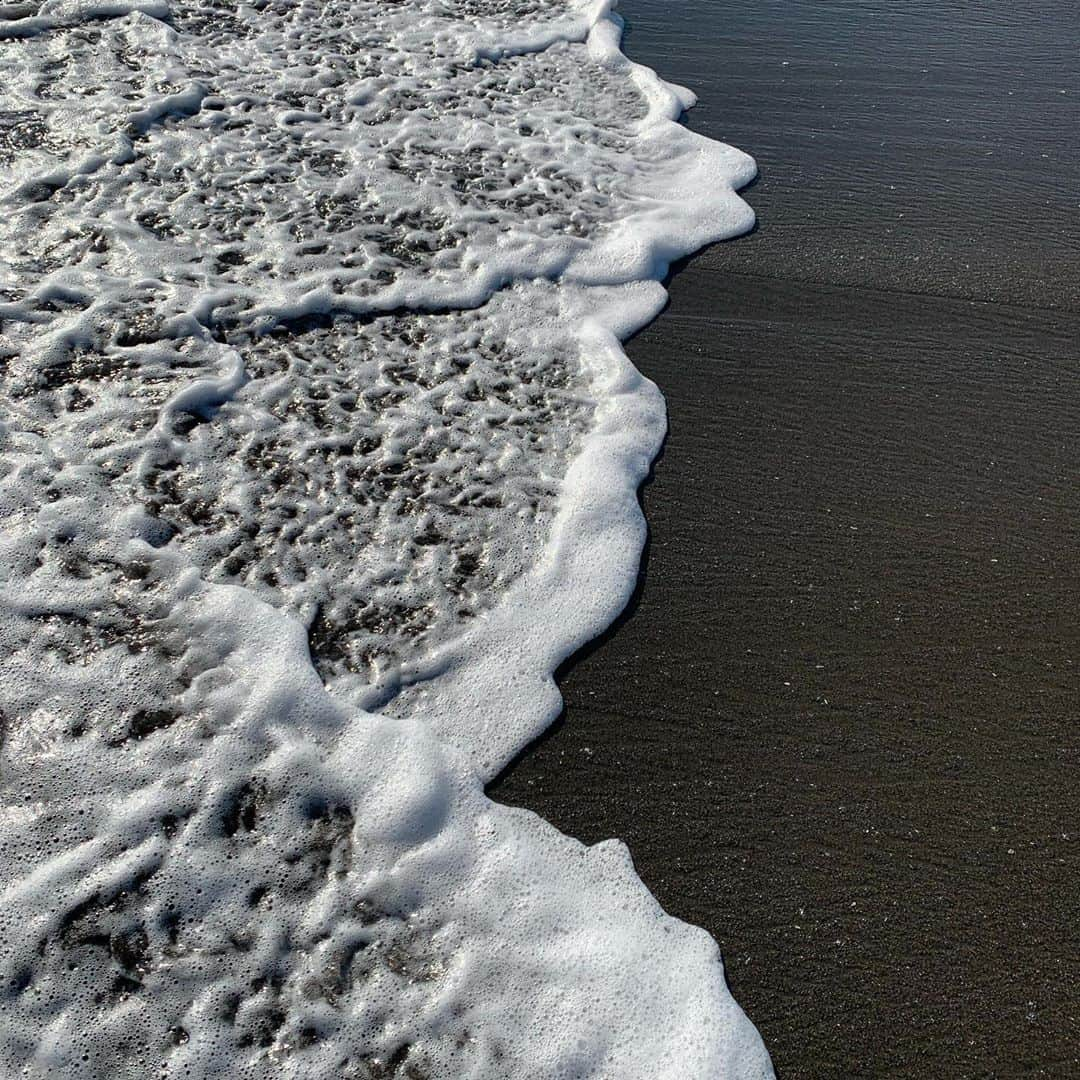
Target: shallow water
[318, 452]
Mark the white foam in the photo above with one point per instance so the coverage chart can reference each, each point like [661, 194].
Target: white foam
[314, 405]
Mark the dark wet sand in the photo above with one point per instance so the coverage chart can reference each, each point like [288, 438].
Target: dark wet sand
[841, 726]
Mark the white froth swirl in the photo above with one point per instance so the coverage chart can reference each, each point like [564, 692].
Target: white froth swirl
[318, 454]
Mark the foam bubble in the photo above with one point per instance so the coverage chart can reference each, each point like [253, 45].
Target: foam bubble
[318, 453]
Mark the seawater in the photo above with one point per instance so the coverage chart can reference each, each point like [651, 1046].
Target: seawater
[318, 453]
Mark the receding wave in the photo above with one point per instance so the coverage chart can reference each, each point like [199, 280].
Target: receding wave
[318, 453]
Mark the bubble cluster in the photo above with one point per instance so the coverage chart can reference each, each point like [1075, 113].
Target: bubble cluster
[282, 148]
[307, 321]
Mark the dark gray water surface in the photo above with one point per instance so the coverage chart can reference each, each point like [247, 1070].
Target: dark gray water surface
[841, 726]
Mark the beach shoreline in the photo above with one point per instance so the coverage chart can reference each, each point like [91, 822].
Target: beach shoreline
[837, 729]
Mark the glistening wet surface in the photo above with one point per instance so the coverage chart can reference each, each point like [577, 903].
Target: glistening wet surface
[839, 729]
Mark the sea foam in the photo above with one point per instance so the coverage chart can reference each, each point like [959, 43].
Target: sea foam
[318, 454]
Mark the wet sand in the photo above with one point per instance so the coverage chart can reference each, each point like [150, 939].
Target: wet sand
[840, 725]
